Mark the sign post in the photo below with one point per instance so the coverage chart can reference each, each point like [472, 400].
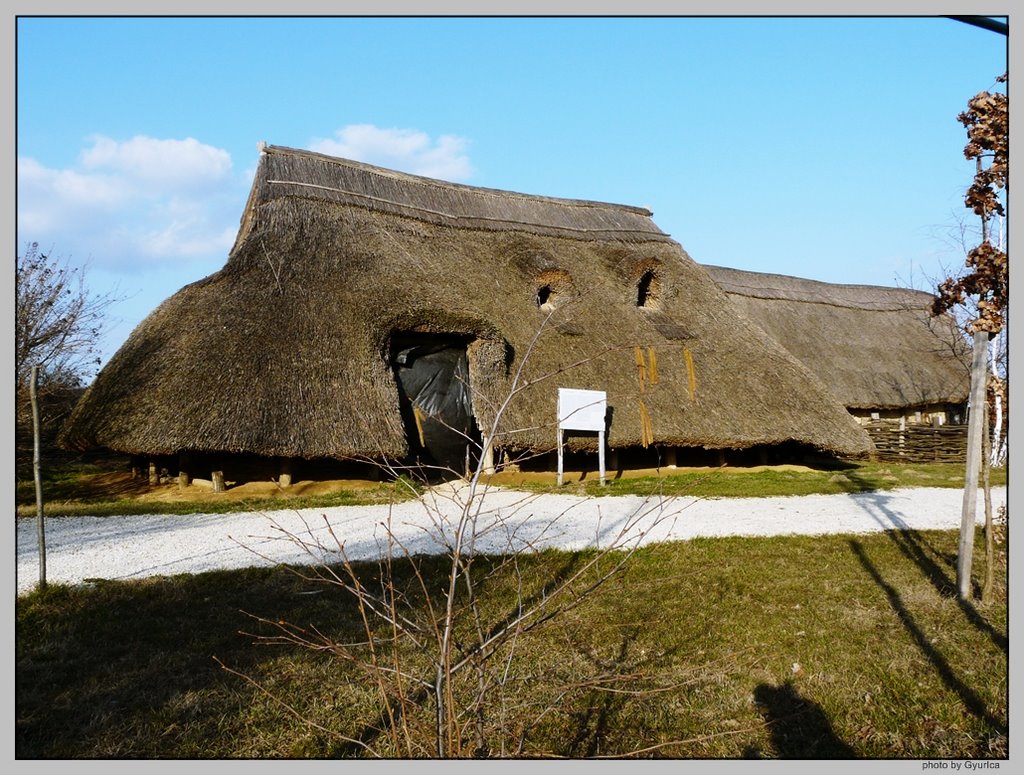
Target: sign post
[582, 410]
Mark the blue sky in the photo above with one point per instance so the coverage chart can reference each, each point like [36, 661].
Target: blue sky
[825, 148]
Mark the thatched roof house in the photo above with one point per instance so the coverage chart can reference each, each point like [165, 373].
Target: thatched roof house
[344, 276]
[877, 349]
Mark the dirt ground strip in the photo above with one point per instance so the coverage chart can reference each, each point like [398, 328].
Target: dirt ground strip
[201, 490]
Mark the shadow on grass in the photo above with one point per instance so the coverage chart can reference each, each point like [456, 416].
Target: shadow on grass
[124, 655]
[89, 487]
[938, 568]
[800, 729]
[971, 701]
[597, 720]
[854, 480]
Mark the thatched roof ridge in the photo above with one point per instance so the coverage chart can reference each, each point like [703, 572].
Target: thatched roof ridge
[290, 172]
[285, 351]
[874, 347]
[763, 285]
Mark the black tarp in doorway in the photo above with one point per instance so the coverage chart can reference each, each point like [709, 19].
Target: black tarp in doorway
[433, 379]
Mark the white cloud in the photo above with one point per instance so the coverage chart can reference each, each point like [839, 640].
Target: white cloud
[186, 238]
[98, 191]
[143, 200]
[408, 150]
[171, 164]
[146, 200]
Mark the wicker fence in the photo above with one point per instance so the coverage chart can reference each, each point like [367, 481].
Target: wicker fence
[919, 443]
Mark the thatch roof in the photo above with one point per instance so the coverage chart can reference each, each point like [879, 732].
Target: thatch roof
[874, 347]
[285, 351]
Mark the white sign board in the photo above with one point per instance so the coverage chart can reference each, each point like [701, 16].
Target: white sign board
[582, 410]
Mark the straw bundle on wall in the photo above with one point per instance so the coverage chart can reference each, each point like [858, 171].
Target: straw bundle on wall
[285, 351]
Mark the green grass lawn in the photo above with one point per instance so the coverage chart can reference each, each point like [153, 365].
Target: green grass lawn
[780, 480]
[793, 647]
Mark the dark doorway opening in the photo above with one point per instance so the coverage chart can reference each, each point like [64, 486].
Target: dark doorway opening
[435, 399]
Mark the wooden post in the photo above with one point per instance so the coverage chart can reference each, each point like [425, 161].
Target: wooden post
[506, 462]
[284, 478]
[154, 475]
[217, 477]
[38, 476]
[670, 457]
[184, 479]
[721, 458]
[560, 478]
[488, 455]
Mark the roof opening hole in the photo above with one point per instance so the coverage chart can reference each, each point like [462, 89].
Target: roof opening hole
[648, 290]
[554, 288]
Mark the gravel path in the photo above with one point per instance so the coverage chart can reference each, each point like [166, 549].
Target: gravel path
[132, 547]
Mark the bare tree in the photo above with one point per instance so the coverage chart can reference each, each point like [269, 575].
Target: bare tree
[58, 321]
[58, 324]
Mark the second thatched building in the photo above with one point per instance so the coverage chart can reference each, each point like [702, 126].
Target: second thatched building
[879, 350]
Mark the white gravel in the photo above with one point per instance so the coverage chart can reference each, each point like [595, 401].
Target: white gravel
[133, 547]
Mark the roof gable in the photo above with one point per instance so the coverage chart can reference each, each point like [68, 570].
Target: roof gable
[287, 172]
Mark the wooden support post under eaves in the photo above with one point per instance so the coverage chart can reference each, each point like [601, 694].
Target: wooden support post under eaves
[488, 461]
[670, 457]
[184, 478]
[218, 481]
[284, 478]
[154, 474]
